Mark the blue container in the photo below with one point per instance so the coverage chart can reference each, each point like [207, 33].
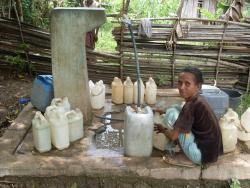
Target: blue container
[218, 101]
[42, 92]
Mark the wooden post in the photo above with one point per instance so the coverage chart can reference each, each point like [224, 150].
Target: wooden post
[219, 53]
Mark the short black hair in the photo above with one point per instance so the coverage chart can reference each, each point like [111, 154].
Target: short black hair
[196, 72]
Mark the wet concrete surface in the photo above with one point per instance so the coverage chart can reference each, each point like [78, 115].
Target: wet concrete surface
[100, 158]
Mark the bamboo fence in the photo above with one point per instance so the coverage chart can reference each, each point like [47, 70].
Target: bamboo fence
[220, 49]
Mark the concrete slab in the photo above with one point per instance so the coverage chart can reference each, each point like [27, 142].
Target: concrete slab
[84, 165]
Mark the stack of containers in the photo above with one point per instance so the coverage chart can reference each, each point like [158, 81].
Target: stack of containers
[62, 125]
[127, 92]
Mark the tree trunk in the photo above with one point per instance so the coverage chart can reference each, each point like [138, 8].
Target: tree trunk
[19, 9]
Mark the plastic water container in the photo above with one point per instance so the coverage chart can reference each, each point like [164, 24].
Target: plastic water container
[62, 104]
[151, 91]
[42, 92]
[117, 91]
[159, 139]
[231, 114]
[97, 95]
[245, 120]
[59, 127]
[234, 97]
[91, 85]
[128, 91]
[138, 132]
[41, 133]
[229, 134]
[75, 121]
[136, 92]
[218, 101]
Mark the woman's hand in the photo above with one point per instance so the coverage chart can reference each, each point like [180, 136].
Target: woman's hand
[159, 128]
[160, 111]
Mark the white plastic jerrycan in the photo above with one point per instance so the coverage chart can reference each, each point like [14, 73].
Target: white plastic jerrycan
[231, 114]
[41, 133]
[75, 121]
[159, 139]
[229, 134]
[151, 91]
[91, 85]
[136, 92]
[128, 91]
[62, 104]
[59, 127]
[117, 91]
[97, 95]
[138, 132]
[245, 120]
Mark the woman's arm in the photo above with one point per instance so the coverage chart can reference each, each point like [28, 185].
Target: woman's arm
[172, 135]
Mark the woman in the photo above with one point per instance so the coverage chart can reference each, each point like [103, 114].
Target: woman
[196, 129]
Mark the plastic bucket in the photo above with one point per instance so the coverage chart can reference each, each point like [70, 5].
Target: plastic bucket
[234, 97]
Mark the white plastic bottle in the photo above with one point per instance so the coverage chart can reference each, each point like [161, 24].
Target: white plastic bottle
[97, 95]
[59, 127]
[151, 91]
[117, 91]
[229, 134]
[75, 121]
[128, 91]
[136, 92]
[41, 133]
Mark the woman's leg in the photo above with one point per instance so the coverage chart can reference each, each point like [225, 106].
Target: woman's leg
[189, 147]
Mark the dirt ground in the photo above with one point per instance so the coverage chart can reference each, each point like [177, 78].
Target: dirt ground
[11, 90]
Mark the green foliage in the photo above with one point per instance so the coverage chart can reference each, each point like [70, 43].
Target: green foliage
[18, 62]
[74, 185]
[161, 80]
[206, 14]
[234, 183]
[37, 12]
[137, 9]
[246, 10]
[244, 104]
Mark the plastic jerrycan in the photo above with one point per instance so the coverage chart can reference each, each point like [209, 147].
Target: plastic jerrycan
[97, 95]
[75, 121]
[62, 104]
[159, 139]
[42, 92]
[245, 120]
[151, 91]
[41, 133]
[229, 134]
[117, 91]
[59, 127]
[138, 132]
[136, 92]
[128, 91]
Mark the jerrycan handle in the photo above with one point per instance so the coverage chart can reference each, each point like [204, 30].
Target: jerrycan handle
[45, 78]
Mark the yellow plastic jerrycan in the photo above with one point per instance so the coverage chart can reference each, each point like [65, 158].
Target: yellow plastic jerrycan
[142, 88]
[117, 91]
[128, 91]
[151, 91]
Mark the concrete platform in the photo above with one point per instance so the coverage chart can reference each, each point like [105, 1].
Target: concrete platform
[84, 165]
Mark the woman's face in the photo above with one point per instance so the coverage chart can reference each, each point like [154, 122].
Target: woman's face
[187, 85]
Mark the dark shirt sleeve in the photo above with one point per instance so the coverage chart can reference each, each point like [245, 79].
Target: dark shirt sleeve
[185, 120]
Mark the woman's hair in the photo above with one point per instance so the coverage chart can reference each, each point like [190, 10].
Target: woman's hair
[196, 72]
